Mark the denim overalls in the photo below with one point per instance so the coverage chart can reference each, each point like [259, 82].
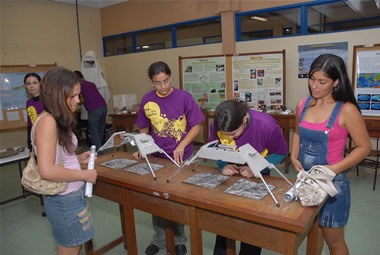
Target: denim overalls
[313, 151]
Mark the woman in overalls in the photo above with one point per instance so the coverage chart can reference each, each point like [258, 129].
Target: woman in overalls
[324, 120]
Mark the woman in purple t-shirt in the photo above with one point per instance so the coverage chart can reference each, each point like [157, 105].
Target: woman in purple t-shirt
[32, 83]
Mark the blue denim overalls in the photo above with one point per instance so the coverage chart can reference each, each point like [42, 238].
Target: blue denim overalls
[313, 151]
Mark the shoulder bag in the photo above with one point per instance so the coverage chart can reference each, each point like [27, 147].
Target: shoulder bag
[31, 179]
[312, 187]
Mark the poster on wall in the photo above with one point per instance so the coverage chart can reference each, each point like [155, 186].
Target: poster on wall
[259, 80]
[205, 79]
[366, 79]
[307, 54]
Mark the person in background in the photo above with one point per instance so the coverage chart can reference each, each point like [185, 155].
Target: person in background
[32, 83]
[235, 125]
[55, 142]
[97, 110]
[323, 122]
[173, 119]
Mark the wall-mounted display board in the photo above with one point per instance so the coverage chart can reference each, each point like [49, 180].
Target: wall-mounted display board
[13, 94]
[205, 78]
[257, 78]
[366, 78]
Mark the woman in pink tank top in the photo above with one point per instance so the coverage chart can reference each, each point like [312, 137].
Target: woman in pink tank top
[323, 122]
[68, 212]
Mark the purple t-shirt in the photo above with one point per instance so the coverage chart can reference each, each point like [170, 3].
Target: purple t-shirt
[92, 98]
[262, 132]
[33, 107]
[170, 119]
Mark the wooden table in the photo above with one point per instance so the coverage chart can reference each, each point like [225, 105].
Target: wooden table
[286, 122]
[257, 222]
[123, 122]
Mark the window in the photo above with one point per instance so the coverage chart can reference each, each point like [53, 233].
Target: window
[342, 16]
[195, 33]
[118, 45]
[178, 35]
[258, 25]
[308, 18]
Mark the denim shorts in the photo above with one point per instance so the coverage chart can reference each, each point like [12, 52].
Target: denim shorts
[70, 218]
[335, 212]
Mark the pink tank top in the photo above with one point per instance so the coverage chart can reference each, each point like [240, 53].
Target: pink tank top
[71, 162]
[336, 140]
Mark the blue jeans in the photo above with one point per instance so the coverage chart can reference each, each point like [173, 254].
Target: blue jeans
[97, 124]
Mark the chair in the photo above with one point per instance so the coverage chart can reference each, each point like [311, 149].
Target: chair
[372, 160]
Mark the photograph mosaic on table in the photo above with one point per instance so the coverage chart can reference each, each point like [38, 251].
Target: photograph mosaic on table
[142, 168]
[119, 163]
[206, 180]
[249, 189]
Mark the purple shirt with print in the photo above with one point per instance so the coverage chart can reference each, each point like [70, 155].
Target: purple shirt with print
[170, 118]
[262, 132]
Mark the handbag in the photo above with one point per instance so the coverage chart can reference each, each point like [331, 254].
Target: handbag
[31, 179]
[312, 187]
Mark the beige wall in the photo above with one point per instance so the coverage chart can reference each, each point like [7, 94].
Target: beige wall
[41, 32]
[44, 32]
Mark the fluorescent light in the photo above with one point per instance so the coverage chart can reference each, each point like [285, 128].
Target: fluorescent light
[259, 18]
[145, 46]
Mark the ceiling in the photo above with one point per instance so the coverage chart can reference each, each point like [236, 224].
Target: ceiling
[91, 3]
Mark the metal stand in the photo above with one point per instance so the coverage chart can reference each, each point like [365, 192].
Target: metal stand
[144, 143]
[245, 154]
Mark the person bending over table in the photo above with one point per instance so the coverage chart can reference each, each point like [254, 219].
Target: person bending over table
[235, 125]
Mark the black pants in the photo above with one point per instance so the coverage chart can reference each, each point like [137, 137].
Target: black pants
[245, 249]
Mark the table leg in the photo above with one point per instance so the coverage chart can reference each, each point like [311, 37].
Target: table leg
[130, 228]
[231, 246]
[313, 238]
[122, 220]
[290, 247]
[169, 232]
[195, 233]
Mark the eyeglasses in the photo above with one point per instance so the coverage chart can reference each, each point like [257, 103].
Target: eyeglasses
[163, 82]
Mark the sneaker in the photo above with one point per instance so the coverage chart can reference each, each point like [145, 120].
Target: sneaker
[152, 249]
[180, 249]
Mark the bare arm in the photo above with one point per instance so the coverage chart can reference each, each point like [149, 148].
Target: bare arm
[353, 121]
[296, 143]
[46, 142]
[180, 149]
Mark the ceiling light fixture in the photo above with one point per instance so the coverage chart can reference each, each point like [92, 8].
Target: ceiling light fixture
[259, 18]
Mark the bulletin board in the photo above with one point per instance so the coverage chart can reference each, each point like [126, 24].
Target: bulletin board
[366, 78]
[205, 77]
[256, 78]
[13, 94]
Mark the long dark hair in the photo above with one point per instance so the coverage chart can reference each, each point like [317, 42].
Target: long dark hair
[58, 85]
[333, 66]
[229, 115]
[32, 75]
